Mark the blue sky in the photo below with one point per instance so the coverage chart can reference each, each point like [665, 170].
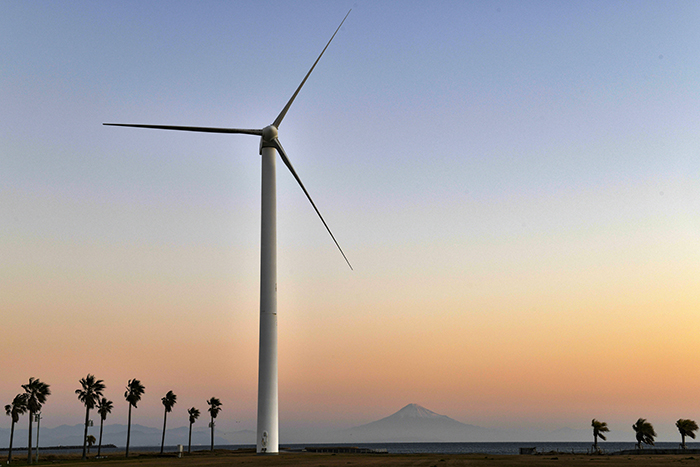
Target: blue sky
[502, 175]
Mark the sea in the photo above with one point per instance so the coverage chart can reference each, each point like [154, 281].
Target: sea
[495, 448]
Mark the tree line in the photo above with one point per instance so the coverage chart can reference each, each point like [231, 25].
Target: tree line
[91, 395]
[644, 432]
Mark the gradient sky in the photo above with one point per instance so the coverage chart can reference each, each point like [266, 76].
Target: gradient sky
[517, 184]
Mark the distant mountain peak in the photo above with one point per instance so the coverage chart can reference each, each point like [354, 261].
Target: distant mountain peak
[416, 411]
[415, 423]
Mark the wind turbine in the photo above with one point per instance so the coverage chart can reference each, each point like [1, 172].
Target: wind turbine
[268, 414]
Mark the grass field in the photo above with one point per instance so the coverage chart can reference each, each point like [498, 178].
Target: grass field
[250, 459]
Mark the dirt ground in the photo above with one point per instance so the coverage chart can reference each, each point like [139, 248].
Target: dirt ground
[299, 459]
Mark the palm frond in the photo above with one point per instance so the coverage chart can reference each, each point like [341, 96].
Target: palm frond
[134, 391]
[214, 407]
[169, 400]
[645, 432]
[36, 393]
[194, 414]
[687, 427]
[91, 391]
[104, 407]
[17, 407]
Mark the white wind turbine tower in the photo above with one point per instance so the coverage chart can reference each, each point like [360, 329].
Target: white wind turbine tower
[268, 423]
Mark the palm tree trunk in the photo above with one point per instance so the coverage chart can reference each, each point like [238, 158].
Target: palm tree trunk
[595, 442]
[12, 435]
[128, 431]
[683, 441]
[87, 418]
[212, 433]
[162, 442]
[189, 443]
[29, 443]
[99, 446]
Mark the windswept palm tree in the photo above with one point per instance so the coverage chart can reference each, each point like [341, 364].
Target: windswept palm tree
[36, 393]
[134, 391]
[214, 409]
[686, 428]
[89, 395]
[90, 441]
[194, 415]
[598, 429]
[169, 400]
[645, 432]
[103, 408]
[14, 410]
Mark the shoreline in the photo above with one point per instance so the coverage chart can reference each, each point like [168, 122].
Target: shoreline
[56, 448]
[483, 448]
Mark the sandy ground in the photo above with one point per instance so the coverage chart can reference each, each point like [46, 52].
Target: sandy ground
[232, 458]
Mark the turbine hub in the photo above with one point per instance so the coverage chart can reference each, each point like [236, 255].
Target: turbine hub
[269, 133]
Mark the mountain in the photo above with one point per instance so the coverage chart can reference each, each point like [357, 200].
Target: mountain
[414, 423]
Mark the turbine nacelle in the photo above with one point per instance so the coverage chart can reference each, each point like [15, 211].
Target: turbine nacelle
[269, 135]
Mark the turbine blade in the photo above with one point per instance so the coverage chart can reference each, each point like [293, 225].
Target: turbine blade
[279, 118]
[190, 128]
[286, 161]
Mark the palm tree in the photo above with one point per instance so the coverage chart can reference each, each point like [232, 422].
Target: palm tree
[134, 391]
[14, 410]
[36, 393]
[169, 401]
[89, 395]
[103, 408]
[686, 428]
[645, 432]
[214, 409]
[90, 441]
[598, 429]
[194, 415]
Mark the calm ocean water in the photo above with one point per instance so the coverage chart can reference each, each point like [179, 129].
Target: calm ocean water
[501, 448]
[419, 448]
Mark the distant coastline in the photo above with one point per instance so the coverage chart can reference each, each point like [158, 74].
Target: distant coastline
[57, 448]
